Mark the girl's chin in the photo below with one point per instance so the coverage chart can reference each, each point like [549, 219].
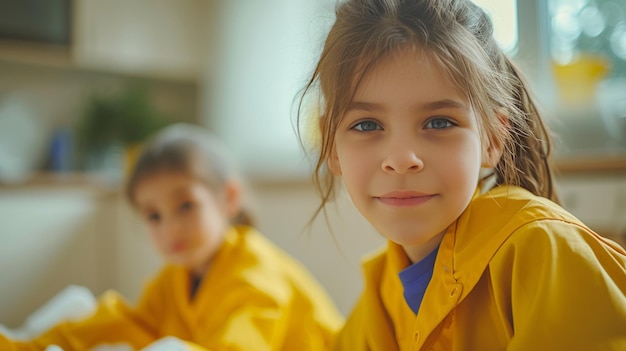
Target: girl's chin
[189, 261]
[182, 260]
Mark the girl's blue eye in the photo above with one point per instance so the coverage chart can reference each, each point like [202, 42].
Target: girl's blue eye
[366, 126]
[439, 123]
[153, 217]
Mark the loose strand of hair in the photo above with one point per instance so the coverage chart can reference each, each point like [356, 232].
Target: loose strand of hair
[533, 148]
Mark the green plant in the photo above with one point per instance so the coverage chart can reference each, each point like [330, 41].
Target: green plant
[127, 118]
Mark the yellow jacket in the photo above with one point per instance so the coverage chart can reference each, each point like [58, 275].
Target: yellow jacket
[254, 297]
[514, 272]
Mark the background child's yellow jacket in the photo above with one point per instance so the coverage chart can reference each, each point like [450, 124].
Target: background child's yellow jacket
[515, 272]
[254, 297]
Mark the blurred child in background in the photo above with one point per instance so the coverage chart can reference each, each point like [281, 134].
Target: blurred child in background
[225, 287]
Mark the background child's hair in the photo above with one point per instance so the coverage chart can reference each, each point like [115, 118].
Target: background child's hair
[191, 150]
[456, 34]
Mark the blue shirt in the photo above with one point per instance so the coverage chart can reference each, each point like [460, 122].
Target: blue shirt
[415, 279]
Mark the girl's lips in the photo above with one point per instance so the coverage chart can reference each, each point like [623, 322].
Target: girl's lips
[178, 247]
[404, 199]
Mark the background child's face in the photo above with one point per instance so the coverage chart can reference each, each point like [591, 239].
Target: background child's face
[187, 220]
[409, 151]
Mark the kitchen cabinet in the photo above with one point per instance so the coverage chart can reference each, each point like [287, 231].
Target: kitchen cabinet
[56, 235]
[51, 237]
[163, 39]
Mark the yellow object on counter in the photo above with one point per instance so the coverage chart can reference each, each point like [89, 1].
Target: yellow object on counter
[578, 80]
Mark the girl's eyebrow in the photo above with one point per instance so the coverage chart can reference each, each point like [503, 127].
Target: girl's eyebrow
[426, 107]
[146, 209]
[364, 106]
[445, 103]
[181, 190]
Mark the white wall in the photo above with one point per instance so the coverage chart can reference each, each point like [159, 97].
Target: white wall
[261, 54]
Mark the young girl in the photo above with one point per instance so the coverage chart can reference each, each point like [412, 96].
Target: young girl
[226, 287]
[441, 148]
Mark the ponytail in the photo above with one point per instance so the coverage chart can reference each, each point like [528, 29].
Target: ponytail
[526, 159]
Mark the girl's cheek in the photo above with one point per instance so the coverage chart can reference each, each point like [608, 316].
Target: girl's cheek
[157, 236]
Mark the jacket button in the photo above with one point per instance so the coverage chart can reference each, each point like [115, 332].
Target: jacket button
[417, 336]
[453, 291]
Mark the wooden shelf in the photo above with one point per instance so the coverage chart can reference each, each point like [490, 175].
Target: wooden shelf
[88, 181]
[43, 55]
[591, 164]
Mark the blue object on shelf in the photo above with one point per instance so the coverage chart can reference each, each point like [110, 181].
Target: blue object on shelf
[61, 150]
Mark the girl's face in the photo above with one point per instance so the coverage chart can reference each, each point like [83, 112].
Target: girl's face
[409, 151]
[187, 220]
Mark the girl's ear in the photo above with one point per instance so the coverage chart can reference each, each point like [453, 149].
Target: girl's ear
[495, 147]
[493, 154]
[232, 198]
[333, 162]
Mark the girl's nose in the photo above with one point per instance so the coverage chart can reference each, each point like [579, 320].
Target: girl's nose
[172, 229]
[401, 158]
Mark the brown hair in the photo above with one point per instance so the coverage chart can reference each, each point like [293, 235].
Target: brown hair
[188, 149]
[458, 35]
